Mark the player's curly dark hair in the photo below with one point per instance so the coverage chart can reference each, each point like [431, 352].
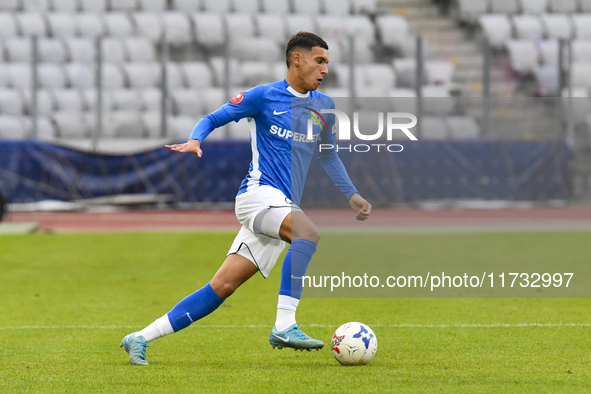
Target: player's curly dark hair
[303, 40]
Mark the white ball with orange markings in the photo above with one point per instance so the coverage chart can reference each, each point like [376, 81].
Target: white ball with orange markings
[354, 344]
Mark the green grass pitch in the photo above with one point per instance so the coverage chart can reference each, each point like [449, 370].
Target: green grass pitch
[66, 300]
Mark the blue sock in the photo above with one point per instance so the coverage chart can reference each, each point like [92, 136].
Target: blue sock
[194, 307]
[294, 267]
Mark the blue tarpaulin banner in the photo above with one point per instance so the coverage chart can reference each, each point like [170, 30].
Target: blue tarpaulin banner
[32, 171]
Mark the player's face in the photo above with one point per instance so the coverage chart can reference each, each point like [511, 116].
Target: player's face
[314, 68]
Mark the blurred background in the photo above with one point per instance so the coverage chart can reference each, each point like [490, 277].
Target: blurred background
[90, 91]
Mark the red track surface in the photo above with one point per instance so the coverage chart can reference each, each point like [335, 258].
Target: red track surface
[394, 219]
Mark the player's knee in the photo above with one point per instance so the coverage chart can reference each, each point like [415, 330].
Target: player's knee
[311, 233]
[224, 289]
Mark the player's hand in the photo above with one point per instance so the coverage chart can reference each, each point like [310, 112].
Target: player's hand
[361, 207]
[191, 146]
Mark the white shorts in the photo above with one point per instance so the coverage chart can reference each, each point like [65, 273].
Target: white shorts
[261, 212]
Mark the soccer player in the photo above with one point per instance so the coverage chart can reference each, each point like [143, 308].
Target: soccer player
[268, 198]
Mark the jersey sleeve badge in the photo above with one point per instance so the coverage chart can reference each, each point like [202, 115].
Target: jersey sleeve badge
[237, 99]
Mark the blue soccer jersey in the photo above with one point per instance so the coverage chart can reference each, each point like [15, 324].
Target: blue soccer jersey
[281, 150]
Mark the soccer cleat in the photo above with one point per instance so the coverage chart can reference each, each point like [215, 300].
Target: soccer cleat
[136, 347]
[294, 338]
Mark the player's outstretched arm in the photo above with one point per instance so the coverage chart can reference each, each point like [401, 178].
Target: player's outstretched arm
[360, 205]
[191, 146]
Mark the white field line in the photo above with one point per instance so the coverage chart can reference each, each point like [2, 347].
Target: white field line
[246, 326]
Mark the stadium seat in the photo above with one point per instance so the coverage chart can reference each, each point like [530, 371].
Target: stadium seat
[213, 98]
[126, 100]
[586, 5]
[209, 29]
[65, 5]
[549, 51]
[152, 5]
[186, 5]
[143, 75]
[528, 27]
[497, 28]
[186, 102]
[363, 53]
[379, 76]
[80, 75]
[255, 48]
[343, 73]
[81, 50]
[71, 125]
[279, 70]
[246, 6]
[178, 28]
[197, 74]
[52, 75]
[563, 6]
[433, 128]
[271, 26]
[276, 6]
[335, 53]
[69, 100]
[45, 129]
[405, 69]
[256, 73]
[582, 23]
[361, 26]
[364, 6]
[18, 49]
[19, 75]
[239, 130]
[52, 50]
[331, 27]
[547, 80]
[8, 25]
[581, 51]
[4, 77]
[35, 5]
[10, 5]
[90, 25]
[558, 26]
[180, 127]
[469, 11]
[123, 5]
[11, 102]
[506, 7]
[174, 76]
[306, 7]
[581, 75]
[45, 101]
[439, 72]
[523, 55]
[140, 49]
[335, 92]
[32, 24]
[113, 76]
[151, 99]
[61, 24]
[118, 24]
[437, 101]
[113, 50]
[393, 30]
[300, 22]
[12, 127]
[337, 7]
[534, 6]
[90, 96]
[93, 5]
[239, 25]
[149, 25]
[462, 127]
[152, 125]
[218, 67]
[217, 6]
[123, 124]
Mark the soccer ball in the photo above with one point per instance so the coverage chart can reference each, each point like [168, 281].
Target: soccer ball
[354, 344]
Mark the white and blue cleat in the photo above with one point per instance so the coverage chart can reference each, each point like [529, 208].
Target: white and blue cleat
[136, 347]
[293, 337]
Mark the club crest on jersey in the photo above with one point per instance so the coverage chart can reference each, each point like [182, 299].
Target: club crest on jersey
[237, 99]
